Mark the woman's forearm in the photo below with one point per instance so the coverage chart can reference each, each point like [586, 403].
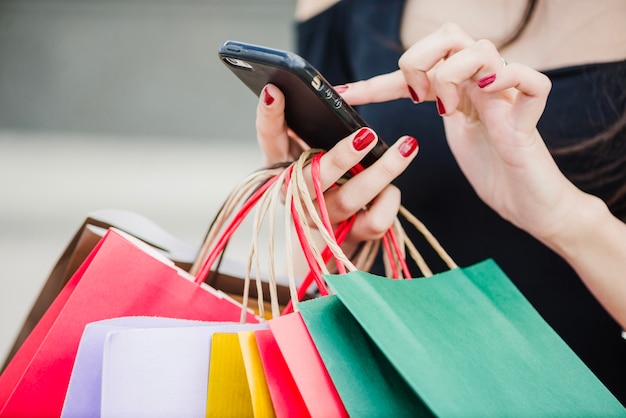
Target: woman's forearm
[594, 244]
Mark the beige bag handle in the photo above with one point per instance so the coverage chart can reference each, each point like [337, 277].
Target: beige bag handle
[397, 228]
[289, 185]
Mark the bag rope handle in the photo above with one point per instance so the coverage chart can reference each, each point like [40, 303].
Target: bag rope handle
[270, 184]
[243, 190]
[393, 250]
[230, 230]
[430, 238]
[262, 188]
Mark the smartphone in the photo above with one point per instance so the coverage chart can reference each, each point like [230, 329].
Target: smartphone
[313, 109]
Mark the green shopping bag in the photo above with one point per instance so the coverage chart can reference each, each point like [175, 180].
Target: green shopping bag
[460, 343]
[367, 383]
[466, 342]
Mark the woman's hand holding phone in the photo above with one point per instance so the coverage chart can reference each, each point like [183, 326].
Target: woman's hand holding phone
[370, 189]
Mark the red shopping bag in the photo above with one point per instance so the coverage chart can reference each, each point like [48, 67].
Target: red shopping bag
[284, 392]
[306, 366]
[121, 277]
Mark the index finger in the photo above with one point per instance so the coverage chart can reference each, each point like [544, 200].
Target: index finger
[381, 88]
[415, 65]
[423, 56]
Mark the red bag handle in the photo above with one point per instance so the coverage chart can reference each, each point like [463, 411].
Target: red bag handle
[232, 227]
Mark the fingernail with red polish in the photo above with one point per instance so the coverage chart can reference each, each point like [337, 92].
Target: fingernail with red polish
[414, 96]
[341, 89]
[267, 97]
[363, 138]
[440, 107]
[484, 82]
[407, 146]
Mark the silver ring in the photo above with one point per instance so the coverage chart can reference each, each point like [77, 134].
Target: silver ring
[504, 63]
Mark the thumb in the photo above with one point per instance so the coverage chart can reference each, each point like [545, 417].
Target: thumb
[272, 134]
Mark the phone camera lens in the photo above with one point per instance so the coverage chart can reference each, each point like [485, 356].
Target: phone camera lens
[238, 63]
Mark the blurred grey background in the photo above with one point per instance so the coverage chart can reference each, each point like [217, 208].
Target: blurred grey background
[118, 104]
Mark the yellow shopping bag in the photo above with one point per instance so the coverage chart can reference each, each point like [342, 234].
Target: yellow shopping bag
[237, 385]
[259, 391]
[228, 391]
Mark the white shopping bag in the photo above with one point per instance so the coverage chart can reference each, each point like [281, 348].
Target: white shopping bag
[144, 366]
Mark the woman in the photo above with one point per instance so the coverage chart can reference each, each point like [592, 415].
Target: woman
[583, 126]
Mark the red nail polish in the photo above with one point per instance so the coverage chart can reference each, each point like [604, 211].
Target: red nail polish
[341, 89]
[484, 82]
[414, 96]
[363, 138]
[267, 97]
[407, 146]
[440, 107]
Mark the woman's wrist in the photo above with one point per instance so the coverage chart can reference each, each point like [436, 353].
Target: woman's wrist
[594, 244]
[581, 228]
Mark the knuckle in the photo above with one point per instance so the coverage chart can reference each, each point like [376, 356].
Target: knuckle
[337, 159]
[487, 50]
[393, 192]
[367, 87]
[390, 168]
[404, 62]
[451, 29]
[545, 84]
[376, 228]
[268, 129]
[379, 223]
[408, 67]
[485, 45]
[345, 205]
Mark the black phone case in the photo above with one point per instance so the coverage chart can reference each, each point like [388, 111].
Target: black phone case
[313, 109]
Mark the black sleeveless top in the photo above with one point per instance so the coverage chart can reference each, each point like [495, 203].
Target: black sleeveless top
[358, 39]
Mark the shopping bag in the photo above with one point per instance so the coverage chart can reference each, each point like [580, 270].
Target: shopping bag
[479, 349]
[470, 344]
[286, 398]
[228, 392]
[298, 358]
[367, 383]
[160, 371]
[83, 396]
[84, 240]
[121, 277]
[259, 392]
[307, 368]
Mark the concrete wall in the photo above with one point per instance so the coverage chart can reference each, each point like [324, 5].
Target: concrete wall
[145, 67]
